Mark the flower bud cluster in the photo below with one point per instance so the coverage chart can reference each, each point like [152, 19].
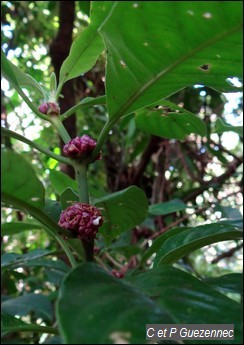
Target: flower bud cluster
[80, 147]
[82, 219]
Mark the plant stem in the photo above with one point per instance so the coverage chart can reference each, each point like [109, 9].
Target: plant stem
[102, 137]
[57, 123]
[11, 134]
[81, 176]
[32, 328]
[88, 249]
[30, 104]
[86, 102]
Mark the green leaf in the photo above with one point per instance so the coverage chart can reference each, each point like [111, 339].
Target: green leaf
[22, 190]
[25, 304]
[19, 181]
[86, 102]
[84, 7]
[52, 209]
[7, 70]
[106, 309]
[16, 227]
[174, 47]
[168, 207]
[56, 265]
[12, 259]
[159, 241]
[187, 299]
[20, 79]
[87, 47]
[68, 197]
[10, 323]
[122, 211]
[229, 282]
[221, 126]
[187, 241]
[61, 181]
[173, 123]
[89, 101]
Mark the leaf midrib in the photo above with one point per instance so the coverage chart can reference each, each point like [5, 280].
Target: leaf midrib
[137, 94]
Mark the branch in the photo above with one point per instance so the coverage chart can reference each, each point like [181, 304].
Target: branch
[171, 225]
[215, 181]
[8, 133]
[152, 147]
[227, 254]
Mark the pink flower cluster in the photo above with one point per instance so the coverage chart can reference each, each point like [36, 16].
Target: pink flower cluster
[82, 219]
[80, 147]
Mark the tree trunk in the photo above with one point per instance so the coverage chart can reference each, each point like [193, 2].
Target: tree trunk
[59, 50]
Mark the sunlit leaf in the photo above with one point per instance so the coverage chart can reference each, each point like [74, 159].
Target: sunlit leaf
[18, 78]
[174, 47]
[167, 207]
[187, 241]
[19, 181]
[169, 121]
[87, 47]
[221, 127]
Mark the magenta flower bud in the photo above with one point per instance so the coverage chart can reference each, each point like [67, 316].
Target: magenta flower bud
[49, 108]
[82, 219]
[117, 274]
[80, 147]
[43, 108]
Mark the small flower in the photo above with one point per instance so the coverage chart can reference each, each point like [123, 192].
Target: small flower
[117, 274]
[49, 108]
[80, 147]
[82, 219]
[43, 108]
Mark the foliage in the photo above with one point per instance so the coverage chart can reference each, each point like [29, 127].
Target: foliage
[168, 187]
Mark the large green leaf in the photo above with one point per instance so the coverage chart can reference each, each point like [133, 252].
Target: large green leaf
[96, 308]
[23, 305]
[122, 211]
[87, 47]
[187, 299]
[16, 227]
[173, 123]
[187, 241]
[176, 45]
[167, 207]
[19, 181]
